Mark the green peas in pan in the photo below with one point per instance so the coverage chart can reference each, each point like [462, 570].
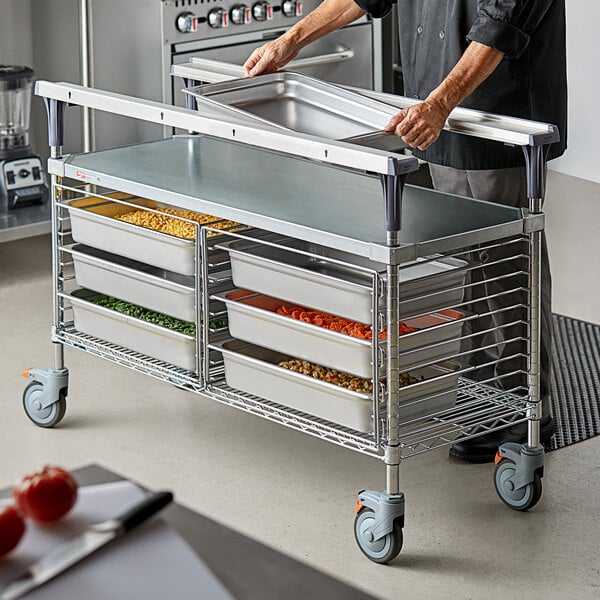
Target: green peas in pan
[151, 316]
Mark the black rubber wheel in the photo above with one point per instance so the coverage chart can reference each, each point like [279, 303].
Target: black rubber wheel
[43, 417]
[380, 551]
[523, 498]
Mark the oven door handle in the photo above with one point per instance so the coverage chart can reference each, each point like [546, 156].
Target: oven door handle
[209, 70]
[339, 55]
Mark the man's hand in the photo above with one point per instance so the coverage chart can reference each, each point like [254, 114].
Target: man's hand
[271, 57]
[419, 125]
[328, 16]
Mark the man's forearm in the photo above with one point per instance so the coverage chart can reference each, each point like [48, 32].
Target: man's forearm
[327, 17]
[476, 64]
[420, 125]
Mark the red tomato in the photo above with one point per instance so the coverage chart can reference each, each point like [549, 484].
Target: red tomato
[12, 528]
[47, 495]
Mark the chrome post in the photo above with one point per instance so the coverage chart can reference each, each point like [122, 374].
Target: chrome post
[393, 186]
[203, 301]
[57, 285]
[534, 159]
[88, 124]
[393, 376]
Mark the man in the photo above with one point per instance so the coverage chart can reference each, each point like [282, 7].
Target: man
[498, 56]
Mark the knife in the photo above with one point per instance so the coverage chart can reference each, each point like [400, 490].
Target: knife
[95, 537]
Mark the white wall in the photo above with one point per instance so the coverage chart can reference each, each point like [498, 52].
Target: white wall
[16, 40]
[582, 158]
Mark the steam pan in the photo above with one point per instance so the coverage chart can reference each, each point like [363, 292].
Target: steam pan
[93, 224]
[297, 102]
[252, 318]
[135, 282]
[254, 370]
[311, 281]
[146, 338]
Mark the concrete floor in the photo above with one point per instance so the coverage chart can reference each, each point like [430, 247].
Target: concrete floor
[296, 493]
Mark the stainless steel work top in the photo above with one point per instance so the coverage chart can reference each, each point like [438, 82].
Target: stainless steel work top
[304, 199]
[25, 222]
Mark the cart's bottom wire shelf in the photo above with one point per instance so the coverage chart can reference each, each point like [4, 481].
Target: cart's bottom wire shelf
[479, 408]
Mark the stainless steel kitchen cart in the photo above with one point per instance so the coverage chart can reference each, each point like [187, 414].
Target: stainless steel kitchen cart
[300, 226]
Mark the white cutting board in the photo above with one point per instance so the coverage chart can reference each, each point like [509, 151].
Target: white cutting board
[151, 563]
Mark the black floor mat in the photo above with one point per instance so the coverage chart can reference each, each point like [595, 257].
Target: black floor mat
[575, 385]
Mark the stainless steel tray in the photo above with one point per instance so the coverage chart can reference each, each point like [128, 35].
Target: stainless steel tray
[312, 281]
[255, 370]
[253, 318]
[301, 103]
[93, 224]
[135, 282]
[134, 334]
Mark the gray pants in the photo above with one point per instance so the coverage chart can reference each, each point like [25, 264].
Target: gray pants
[508, 187]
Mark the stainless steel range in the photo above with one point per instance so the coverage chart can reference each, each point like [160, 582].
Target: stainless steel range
[133, 43]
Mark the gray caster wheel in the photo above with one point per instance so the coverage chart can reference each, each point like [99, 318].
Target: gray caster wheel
[523, 498]
[44, 417]
[380, 551]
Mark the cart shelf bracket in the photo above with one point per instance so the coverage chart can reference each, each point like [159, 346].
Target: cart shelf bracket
[56, 121]
[393, 187]
[190, 101]
[534, 162]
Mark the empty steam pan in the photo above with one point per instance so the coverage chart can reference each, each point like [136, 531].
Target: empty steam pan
[255, 370]
[425, 286]
[253, 318]
[134, 334]
[93, 223]
[163, 291]
[300, 103]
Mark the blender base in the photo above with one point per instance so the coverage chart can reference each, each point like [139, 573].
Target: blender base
[22, 181]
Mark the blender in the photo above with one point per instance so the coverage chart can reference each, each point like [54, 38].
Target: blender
[22, 178]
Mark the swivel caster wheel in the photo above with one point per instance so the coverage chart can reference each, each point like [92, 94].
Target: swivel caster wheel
[44, 417]
[382, 550]
[522, 498]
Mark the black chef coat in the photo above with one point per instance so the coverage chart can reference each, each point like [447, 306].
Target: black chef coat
[530, 82]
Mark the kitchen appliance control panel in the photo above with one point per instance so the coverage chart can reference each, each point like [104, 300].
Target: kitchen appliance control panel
[205, 20]
[23, 181]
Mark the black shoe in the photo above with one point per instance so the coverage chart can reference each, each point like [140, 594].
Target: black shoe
[483, 449]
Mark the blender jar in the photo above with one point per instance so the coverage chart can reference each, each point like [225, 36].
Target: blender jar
[15, 104]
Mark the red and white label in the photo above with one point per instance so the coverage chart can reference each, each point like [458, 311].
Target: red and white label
[298, 9]
[269, 12]
[81, 174]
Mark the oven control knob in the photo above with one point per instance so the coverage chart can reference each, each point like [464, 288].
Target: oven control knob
[240, 14]
[218, 18]
[262, 11]
[187, 22]
[292, 8]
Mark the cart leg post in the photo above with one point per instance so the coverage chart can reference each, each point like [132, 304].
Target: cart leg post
[520, 468]
[534, 159]
[380, 515]
[44, 398]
